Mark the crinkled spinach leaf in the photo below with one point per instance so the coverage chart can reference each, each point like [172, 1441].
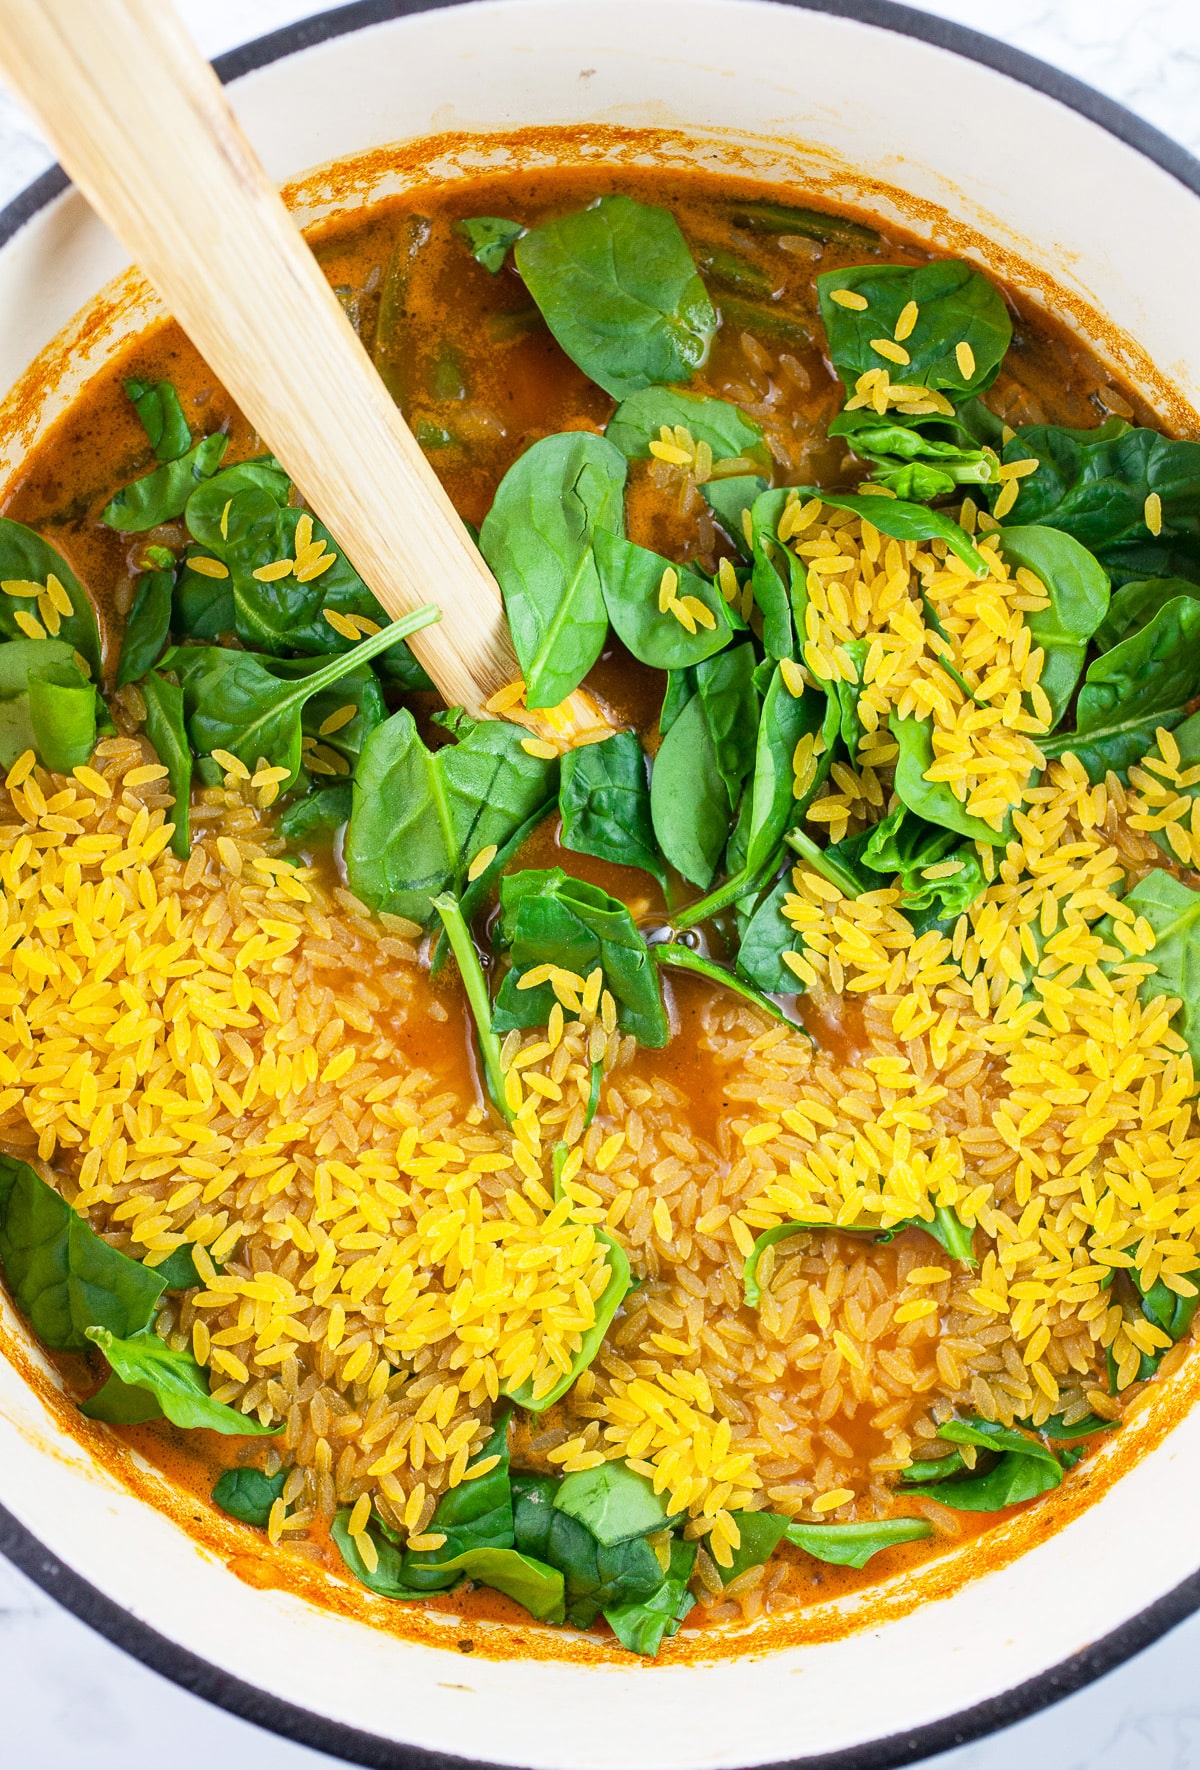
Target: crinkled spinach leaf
[173, 1379]
[604, 802]
[956, 305]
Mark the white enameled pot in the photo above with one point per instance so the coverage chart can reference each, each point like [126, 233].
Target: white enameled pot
[975, 148]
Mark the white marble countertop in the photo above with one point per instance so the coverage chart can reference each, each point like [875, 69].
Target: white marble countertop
[69, 1698]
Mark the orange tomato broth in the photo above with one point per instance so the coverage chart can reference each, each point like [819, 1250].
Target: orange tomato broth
[520, 387]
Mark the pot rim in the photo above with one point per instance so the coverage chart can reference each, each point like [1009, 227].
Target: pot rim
[354, 1745]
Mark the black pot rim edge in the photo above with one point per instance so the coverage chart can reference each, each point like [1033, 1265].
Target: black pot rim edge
[320, 1732]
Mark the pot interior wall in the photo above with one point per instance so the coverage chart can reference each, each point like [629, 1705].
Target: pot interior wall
[954, 152]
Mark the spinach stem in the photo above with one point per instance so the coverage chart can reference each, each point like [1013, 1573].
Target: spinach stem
[716, 900]
[821, 862]
[682, 958]
[475, 984]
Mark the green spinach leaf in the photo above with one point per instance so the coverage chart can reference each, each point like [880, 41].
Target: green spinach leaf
[1077, 586]
[26, 560]
[1023, 1469]
[617, 287]
[174, 1380]
[729, 433]
[631, 578]
[933, 800]
[852, 1545]
[64, 1276]
[316, 815]
[905, 845]
[248, 1494]
[1173, 911]
[166, 729]
[767, 936]
[1144, 682]
[1135, 604]
[162, 494]
[682, 958]
[689, 801]
[420, 817]
[641, 1627]
[604, 802]
[548, 918]
[47, 704]
[162, 417]
[613, 1501]
[148, 626]
[538, 539]
[490, 237]
[956, 305]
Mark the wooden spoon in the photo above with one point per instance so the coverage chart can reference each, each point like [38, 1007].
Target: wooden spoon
[141, 123]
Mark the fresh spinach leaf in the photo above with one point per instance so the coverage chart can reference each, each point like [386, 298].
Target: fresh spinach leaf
[613, 1501]
[933, 800]
[631, 578]
[905, 845]
[178, 1271]
[730, 501]
[546, 918]
[175, 1381]
[1135, 604]
[235, 701]
[1173, 911]
[1144, 682]
[419, 817]
[767, 936]
[538, 539]
[852, 1545]
[47, 704]
[1093, 484]
[689, 801]
[316, 815]
[1023, 1469]
[166, 730]
[681, 686]
[64, 1276]
[386, 1578]
[682, 958]
[26, 560]
[726, 690]
[761, 1534]
[162, 494]
[490, 237]
[162, 417]
[148, 626]
[729, 433]
[600, 1579]
[640, 1627]
[604, 802]
[617, 287]
[956, 305]
[248, 1494]
[1077, 585]
[478, 1514]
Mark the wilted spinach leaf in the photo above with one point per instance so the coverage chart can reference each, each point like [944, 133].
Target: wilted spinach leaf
[148, 626]
[162, 494]
[905, 845]
[613, 1501]
[489, 237]
[604, 801]
[640, 1627]
[1023, 1469]
[162, 417]
[956, 303]
[617, 286]
[248, 1494]
[419, 817]
[852, 1545]
[538, 538]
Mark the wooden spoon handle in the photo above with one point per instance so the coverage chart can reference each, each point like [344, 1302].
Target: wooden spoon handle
[142, 125]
